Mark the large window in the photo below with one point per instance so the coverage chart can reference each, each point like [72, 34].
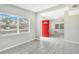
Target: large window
[13, 24]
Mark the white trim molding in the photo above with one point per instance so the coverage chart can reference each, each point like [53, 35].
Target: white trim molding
[69, 41]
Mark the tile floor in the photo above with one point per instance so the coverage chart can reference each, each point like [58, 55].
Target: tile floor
[54, 46]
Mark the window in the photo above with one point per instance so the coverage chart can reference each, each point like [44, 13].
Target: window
[62, 26]
[23, 25]
[57, 26]
[10, 23]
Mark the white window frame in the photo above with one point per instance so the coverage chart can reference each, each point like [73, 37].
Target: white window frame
[18, 26]
[17, 32]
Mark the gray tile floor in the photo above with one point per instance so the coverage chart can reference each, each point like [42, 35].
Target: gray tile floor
[54, 46]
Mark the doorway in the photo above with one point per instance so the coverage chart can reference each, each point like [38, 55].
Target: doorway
[57, 28]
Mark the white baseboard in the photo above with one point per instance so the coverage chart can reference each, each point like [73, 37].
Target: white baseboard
[69, 41]
[45, 38]
[15, 45]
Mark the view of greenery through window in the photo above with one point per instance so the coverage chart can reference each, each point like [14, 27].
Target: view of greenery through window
[8, 24]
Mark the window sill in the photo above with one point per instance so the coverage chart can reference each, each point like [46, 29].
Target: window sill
[13, 34]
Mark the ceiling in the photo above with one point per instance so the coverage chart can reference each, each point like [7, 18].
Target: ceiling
[36, 7]
[56, 14]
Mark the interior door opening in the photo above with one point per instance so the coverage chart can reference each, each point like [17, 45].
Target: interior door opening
[57, 28]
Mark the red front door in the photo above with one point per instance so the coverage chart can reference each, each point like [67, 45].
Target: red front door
[45, 28]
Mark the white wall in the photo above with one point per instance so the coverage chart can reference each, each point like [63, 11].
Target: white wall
[72, 27]
[7, 41]
[39, 26]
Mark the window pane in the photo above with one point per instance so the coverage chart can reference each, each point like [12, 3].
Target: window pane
[57, 26]
[62, 26]
[24, 25]
[8, 24]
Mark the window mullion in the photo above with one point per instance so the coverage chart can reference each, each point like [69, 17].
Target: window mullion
[29, 25]
[18, 25]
